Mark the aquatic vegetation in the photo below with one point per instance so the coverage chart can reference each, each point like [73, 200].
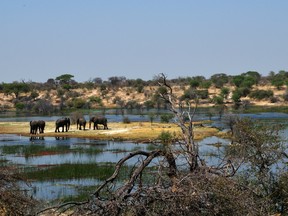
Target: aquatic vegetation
[69, 171]
[41, 150]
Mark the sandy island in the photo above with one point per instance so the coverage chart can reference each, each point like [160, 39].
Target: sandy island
[136, 131]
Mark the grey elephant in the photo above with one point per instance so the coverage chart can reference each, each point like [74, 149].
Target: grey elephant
[98, 120]
[37, 125]
[62, 122]
[81, 122]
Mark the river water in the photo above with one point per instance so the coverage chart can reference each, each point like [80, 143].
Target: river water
[105, 152]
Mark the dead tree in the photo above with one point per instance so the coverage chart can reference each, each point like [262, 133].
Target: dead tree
[177, 108]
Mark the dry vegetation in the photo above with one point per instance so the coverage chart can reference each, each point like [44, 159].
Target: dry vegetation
[127, 94]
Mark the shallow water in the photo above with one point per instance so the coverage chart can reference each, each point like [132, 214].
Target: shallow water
[109, 152]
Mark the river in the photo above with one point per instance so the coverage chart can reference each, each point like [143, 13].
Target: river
[16, 150]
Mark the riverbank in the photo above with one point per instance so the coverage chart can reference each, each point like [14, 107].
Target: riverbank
[135, 131]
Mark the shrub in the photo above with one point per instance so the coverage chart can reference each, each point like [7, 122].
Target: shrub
[261, 94]
[126, 120]
[19, 106]
[77, 103]
[165, 137]
[165, 117]
[218, 100]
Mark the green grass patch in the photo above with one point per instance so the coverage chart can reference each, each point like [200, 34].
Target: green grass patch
[70, 171]
[38, 150]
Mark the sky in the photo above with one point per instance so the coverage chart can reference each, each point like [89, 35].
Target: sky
[43, 39]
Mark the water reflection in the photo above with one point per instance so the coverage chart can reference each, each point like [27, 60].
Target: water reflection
[33, 138]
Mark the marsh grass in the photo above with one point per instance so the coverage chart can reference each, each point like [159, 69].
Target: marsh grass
[99, 171]
[39, 150]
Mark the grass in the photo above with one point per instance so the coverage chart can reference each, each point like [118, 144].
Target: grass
[39, 150]
[100, 171]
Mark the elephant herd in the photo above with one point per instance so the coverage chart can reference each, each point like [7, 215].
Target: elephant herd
[65, 122]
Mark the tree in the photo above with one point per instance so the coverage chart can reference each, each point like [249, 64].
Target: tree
[16, 88]
[219, 80]
[65, 78]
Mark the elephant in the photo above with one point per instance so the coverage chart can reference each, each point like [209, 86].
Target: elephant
[41, 125]
[98, 120]
[62, 122]
[37, 125]
[81, 122]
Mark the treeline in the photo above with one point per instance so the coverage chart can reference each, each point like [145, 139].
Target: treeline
[232, 90]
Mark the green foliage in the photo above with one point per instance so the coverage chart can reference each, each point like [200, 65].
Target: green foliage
[189, 94]
[245, 80]
[258, 144]
[261, 94]
[206, 84]
[161, 90]
[256, 76]
[219, 80]
[16, 88]
[19, 106]
[151, 116]
[194, 83]
[34, 94]
[279, 79]
[77, 103]
[95, 99]
[203, 94]
[165, 137]
[237, 80]
[166, 117]
[65, 78]
[140, 88]
[225, 92]
[218, 100]
[236, 96]
[149, 104]
[66, 87]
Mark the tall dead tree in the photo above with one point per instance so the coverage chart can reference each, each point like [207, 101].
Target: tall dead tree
[181, 113]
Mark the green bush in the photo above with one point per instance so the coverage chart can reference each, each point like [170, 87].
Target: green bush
[20, 106]
[166, 117]
[165, 137]
[78, 103]
[261, 94]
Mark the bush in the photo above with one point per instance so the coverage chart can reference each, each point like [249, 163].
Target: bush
[261, 94]
[165, 137]
[218, 100]
[165, 117]
[19, 106]
[126, 120]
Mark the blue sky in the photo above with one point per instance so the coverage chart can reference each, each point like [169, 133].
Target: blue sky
[42, 39]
